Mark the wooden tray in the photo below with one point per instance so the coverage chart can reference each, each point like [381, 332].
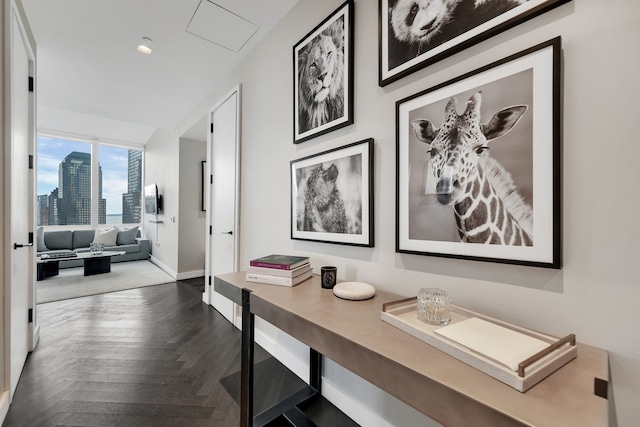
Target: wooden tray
[403, 315]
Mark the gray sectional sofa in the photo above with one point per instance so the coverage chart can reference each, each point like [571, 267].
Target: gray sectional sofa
[67, 241]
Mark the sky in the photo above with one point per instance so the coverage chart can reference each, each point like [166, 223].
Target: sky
[114, 162]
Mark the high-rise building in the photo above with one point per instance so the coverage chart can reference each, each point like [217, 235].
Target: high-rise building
[132, 199]
[70, 203]
[52, 214]
[74, 191]
[43, 210]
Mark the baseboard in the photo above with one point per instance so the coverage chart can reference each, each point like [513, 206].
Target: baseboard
[4, 406]
[163, 267]
[189, 275]
[206, 295]
[352, 408]
[35, 336]
[294, 364]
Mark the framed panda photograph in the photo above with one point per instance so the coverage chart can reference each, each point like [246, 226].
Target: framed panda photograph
[413, 34]
[323, 76]
[332, 196]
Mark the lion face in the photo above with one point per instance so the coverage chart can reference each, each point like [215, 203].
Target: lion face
[320, 68]
[321, 78]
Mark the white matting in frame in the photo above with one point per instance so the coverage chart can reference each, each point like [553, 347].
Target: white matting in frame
[332, 196]
[429, 221]
[323, 76]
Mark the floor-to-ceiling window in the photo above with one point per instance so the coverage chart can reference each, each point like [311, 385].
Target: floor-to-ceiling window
[87, 183]
[121, 184]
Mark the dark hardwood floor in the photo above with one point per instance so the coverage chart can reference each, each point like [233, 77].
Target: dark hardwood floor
[154, 356]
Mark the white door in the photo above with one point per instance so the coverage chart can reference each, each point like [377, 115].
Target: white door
[223, 156]
[21, 198]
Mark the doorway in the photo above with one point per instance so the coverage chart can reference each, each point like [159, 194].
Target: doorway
[223, 204]
[20, 332]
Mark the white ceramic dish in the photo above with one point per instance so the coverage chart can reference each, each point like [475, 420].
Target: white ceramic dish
[354, 290]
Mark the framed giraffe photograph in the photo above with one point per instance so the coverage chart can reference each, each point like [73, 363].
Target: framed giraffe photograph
[332, 195]
[413, 34]
[478, 163]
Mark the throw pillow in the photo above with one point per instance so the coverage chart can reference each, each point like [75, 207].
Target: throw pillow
[106, 236]
[127, 236]
[41, 247]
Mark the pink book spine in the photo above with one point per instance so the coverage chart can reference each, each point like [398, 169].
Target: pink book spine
[269, 265]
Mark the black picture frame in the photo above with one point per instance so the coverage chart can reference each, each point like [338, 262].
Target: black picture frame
[331, 107]
[332, 196]
[432, 215]
[402, 51]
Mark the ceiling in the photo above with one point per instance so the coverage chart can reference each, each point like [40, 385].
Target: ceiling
[91, 80]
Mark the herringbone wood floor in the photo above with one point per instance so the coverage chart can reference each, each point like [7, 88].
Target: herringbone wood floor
[154, 356]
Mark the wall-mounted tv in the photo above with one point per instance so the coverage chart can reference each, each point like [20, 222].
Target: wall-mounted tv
[152, 200]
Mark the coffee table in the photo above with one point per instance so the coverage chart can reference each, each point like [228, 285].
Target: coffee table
[93, 263]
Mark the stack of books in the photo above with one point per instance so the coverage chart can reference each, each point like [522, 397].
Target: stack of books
[282, 270]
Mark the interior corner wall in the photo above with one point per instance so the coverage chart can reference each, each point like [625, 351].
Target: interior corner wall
[595, 294]
[161, 167]
[4, 345]
[191, 217]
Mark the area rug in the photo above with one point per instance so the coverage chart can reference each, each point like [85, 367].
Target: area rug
[72, 283]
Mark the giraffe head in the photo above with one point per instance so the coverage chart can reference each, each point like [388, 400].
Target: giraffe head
[459, 143]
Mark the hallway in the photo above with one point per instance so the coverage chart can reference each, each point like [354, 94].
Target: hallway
[155, 356]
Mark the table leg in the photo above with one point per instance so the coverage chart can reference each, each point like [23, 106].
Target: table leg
[48, 269]
[315, 370]
[246, 363]
[97, 265]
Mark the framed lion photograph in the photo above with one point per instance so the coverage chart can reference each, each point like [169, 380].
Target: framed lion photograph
[332, 196]
[323, 76]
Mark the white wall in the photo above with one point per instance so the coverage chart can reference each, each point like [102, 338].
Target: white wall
[161, 159]
[4, 288]
[191, 219]
[177, 239]
[594, 295]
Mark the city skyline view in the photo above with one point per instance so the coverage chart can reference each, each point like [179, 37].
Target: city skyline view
[119, 175]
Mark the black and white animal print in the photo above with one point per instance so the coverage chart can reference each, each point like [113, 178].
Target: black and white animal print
[324, 209]
[416, 26]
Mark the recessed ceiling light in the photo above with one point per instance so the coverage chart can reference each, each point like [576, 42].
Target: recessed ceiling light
[145, 45]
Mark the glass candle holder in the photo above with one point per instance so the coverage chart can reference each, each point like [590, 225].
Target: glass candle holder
[96, 248]
[433, 306]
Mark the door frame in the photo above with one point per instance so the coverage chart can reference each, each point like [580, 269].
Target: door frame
[207, 296]
[12, 13]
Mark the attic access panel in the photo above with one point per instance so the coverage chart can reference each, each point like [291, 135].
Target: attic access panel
[220, 26]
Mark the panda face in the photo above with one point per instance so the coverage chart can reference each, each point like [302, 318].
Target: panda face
[417, 21]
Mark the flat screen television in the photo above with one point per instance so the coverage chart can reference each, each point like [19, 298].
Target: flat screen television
[152, 200]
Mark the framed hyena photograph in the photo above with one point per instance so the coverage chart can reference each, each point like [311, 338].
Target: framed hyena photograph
[332, 196]
[323, 76]
[478, 163]
[413, 34]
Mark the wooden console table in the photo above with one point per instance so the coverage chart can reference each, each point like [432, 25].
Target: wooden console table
[352, 334]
